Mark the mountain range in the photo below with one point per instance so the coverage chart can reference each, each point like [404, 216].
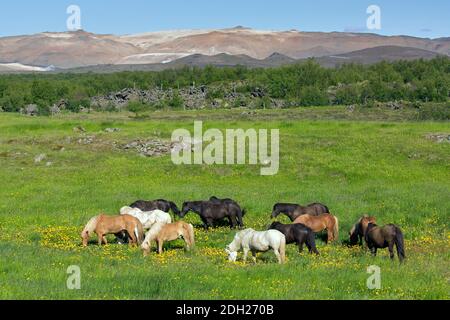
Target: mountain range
[84, 51]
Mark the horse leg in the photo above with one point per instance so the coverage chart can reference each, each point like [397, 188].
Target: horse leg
[160, 246]
[233, 222]
[210, 223]
[277, 253]
[100, 239]
[133, 240]
[330, 236]
[300, 247]
[391, 250]
[254, 256]
[239, 221]
[373, 250]
[246, 250]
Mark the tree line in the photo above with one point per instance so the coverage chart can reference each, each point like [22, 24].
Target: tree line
[304, 84]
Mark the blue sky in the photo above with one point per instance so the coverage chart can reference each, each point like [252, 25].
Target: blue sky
[420, 18]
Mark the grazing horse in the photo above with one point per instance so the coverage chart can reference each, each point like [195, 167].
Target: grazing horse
[297, 233]
[103, 225]
[320, 223]
[161, 233]
[232, 205]
[254, 241]
[293, 211]
[159, 204]
[385, 237]
[211, 212]
[359, 229]
[148, 219]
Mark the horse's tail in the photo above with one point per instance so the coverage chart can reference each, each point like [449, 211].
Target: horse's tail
[244, 212]
[311, 242]
[283, 250]
[139, 233]
[336, 228]
[174, 208]
[90, 226]
[189, 235]
[399, 243]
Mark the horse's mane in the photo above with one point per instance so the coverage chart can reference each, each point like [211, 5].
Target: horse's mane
[91, 225]
[153, 232]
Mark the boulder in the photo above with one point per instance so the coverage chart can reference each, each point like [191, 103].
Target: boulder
[30, 110]
[40, 158]
[55, 109]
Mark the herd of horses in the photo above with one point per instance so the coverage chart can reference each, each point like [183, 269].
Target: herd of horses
[145, 222]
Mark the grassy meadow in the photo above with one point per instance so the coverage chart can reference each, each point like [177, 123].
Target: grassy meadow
[356, 164]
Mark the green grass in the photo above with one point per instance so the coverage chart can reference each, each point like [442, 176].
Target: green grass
[385, 168]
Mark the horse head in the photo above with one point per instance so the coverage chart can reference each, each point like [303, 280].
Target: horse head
[275, 212]
[187, 207]
[274, 225]
[366, 221]
[232, 252]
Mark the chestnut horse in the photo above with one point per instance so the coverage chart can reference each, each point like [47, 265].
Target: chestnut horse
[320, 223]
[359, 230]
[103, 225]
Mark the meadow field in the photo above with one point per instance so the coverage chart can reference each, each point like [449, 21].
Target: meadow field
[355, 163]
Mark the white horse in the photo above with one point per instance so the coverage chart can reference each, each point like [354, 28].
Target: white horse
[148, 219]
[254, 241]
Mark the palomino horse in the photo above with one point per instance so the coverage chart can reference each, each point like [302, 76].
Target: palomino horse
[161, 232]
[298, 234]
[320, 223]
[359, 230]
[385, 237]
[103, 225]
[293, 211]
[254, 241]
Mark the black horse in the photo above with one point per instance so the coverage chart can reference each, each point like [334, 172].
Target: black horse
[232, 205]
[159, 204]
[293, 211]
[297, 233]
[385, 237]
[213, 211]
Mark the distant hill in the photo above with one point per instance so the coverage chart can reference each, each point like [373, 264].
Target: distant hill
[198, 47]
[375, 55]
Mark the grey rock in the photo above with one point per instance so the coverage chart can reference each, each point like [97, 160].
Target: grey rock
[112, 130]
[30, 110]
[40, 158]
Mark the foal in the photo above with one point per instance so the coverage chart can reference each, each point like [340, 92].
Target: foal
[320, 223]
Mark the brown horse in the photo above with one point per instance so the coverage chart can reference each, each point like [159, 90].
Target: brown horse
[103, 225]
[320, 223]
[359, 230]
[293, 211]
[385, 237]
[169, 232]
